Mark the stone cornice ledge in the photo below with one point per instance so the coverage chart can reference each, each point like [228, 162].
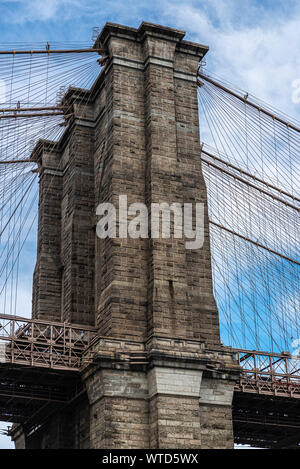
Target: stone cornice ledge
[154, 30]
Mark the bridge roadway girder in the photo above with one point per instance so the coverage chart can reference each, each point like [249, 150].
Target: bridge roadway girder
[28, 395]
[40, 366]
[264, 421]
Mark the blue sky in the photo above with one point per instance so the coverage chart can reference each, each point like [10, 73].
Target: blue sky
[254, 44]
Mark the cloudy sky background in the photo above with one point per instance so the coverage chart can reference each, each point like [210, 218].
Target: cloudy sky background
[253, 44]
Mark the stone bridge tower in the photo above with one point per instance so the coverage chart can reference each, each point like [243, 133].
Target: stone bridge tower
[159, 377]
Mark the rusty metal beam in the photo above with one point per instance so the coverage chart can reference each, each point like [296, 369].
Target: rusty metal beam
[17, 161]
[43, 344]
[35, 114]
[267, 373]
[27, 109]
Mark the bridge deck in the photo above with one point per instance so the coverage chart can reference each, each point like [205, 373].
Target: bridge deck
[39, 372]
[263, 421]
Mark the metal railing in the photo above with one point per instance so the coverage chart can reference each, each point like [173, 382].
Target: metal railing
[40, 343]
[55, 345]
[268, 373]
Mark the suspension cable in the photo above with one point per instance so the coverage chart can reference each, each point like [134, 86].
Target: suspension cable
[245, 100]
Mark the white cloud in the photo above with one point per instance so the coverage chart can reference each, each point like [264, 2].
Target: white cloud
[254, 45]
[258, 51]
[40, 10]
[296, 92]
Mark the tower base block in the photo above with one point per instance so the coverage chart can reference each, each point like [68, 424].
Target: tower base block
[170, 393]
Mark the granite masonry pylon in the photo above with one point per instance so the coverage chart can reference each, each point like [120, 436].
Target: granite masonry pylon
[160, 377]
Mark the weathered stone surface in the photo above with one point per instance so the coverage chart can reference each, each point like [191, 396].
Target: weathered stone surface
[160, 378]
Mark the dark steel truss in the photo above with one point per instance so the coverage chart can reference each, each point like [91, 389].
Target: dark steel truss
[265, 421]
[40, 365]
[60, 346]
